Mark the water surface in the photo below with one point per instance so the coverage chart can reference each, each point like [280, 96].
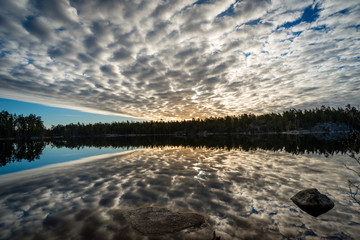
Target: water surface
[243, 194]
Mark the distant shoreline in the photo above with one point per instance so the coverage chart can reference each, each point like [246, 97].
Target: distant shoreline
[198, 134]
[293, 122]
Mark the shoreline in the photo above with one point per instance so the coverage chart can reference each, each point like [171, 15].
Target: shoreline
[199, 134]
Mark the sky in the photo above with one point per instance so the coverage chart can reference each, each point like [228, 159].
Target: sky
[179, 59]
[56, 115]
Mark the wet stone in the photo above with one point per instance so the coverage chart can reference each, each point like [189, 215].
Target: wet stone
[313, 202]
[156, 220]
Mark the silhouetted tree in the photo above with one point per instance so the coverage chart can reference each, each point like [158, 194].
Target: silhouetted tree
[12, 126]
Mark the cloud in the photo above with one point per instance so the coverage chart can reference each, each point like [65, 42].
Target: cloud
[121, 54]
[224, 57]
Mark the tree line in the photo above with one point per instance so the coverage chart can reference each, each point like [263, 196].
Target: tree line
[316, 120]
[19, 126]
[16, 151]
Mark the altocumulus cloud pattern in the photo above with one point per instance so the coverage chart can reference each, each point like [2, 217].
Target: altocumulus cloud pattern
[174, 59]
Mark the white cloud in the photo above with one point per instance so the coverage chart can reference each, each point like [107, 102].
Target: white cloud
[177, 59]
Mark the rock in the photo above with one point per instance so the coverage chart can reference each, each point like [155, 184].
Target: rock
[154, 220]
[313, 202]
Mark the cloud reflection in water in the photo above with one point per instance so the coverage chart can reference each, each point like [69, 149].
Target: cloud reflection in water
[246, 195]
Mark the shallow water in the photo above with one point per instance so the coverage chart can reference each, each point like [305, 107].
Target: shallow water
[242, 194]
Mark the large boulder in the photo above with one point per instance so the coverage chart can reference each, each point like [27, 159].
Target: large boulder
[313, 202]
[155, 220]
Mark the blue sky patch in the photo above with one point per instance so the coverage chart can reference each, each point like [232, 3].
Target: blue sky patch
[229, 11]
[4, 53]
[203, 2]
[354, 26]
[28, 21]
[253, 22]
[309, 15]
[319, 28]
[344, 11]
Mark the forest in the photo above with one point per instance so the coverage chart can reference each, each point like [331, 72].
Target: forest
[324, 119]
[21, 127]
[16, 151]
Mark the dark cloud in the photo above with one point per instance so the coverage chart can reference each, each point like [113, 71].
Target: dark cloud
[85, 58]
[37, 27]
[61, 50]
[92, 46]
[108, 69]
[183, 54]
[121, 54]
[59, 10]
[159, 29]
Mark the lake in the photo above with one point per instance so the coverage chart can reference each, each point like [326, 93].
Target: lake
[85, 188]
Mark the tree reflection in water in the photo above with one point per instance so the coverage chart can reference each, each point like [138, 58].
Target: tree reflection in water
[18, 151]
[31, 150]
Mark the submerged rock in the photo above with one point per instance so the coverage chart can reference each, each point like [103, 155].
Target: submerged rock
[153, 220]
[313, 202]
